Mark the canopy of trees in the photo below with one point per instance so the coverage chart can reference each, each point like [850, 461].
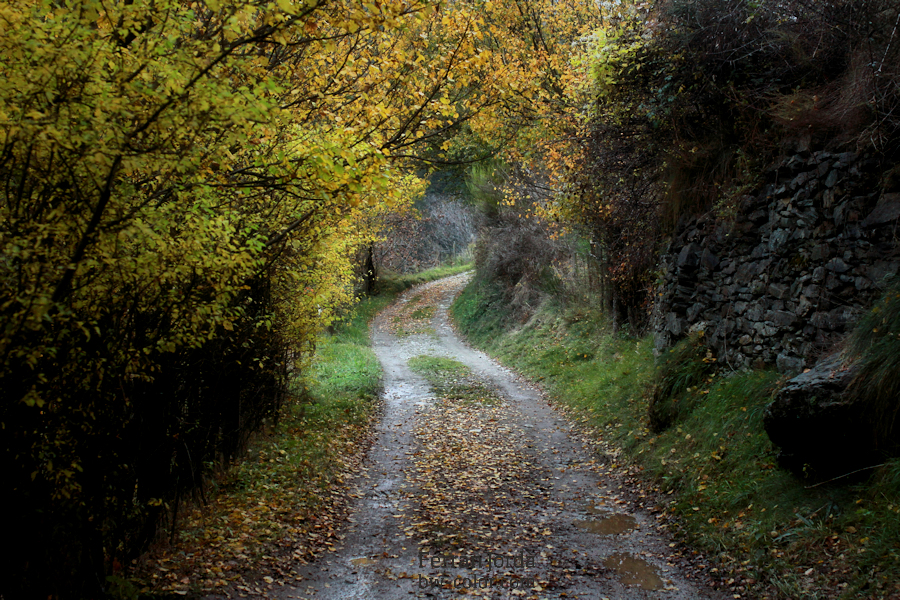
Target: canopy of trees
[184, 185]
[685, 101]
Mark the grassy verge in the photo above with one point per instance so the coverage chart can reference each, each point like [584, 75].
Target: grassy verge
[284, 503]
[392, 284]
[773, 535]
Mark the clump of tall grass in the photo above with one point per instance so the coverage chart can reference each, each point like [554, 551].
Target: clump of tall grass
[875, 346]
[680, 370]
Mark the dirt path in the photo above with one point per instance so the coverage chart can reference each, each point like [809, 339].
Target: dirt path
[496, 497]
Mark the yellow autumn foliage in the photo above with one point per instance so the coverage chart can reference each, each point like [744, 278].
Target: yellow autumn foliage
[183, 187]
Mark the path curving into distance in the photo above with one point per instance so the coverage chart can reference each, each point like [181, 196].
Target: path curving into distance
[484, 490]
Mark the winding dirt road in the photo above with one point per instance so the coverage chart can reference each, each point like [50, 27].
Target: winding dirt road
[494, 498]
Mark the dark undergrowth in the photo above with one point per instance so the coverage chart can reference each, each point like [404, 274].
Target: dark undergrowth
[281, 504]
[768, 533]
[875, 344]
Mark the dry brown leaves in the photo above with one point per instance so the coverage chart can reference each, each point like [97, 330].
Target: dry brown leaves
[413, 315]
[263, 520]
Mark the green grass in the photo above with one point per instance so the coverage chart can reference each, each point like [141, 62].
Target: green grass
[714, 466]
[875, 344]
[452, 380]
[425, 312]
[684, 367]
[438, 369]
[392, 284]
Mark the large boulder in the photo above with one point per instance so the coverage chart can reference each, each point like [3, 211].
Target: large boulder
[820, 431]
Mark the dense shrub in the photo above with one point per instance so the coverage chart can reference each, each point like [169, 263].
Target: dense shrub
[516, 248]
[688, 99]
[438, 228]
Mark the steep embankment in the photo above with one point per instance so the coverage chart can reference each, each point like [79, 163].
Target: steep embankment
[772, 534]
[784, 279]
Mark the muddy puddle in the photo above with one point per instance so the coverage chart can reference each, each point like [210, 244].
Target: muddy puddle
[631, 570]
[363, 562]
[611, 524]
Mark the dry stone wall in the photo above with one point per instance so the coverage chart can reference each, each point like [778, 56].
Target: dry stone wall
[785, 279]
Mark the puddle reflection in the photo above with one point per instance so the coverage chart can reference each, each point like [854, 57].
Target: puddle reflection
[634, 571]
[611, 524]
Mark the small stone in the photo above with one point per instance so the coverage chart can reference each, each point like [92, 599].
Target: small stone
[778, 290]
[689, 257]
[778, 238]
[820, 252]
[794, 163]
[693, 311]
[789, 364]
[811, 291]
[839, 214]
[819, 320]
[755, 312]
[783, 318]
[842, 316]
[886, 211]
[759, 252]
[882, 269]
[764, 329]
[837, 265]
[846, 158]
[802, 194]
[708, 259]
[799, 234]
[800, 180]
[674, 324]
[745, 273]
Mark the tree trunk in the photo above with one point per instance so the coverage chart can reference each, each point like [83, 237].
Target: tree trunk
[370, 274]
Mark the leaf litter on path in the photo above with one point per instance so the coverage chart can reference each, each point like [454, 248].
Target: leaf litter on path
[477, 477]
[475, 488]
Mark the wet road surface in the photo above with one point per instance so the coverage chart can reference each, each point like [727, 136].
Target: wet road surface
[500, 498]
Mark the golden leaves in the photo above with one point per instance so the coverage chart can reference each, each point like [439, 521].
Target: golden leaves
[172, 152]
